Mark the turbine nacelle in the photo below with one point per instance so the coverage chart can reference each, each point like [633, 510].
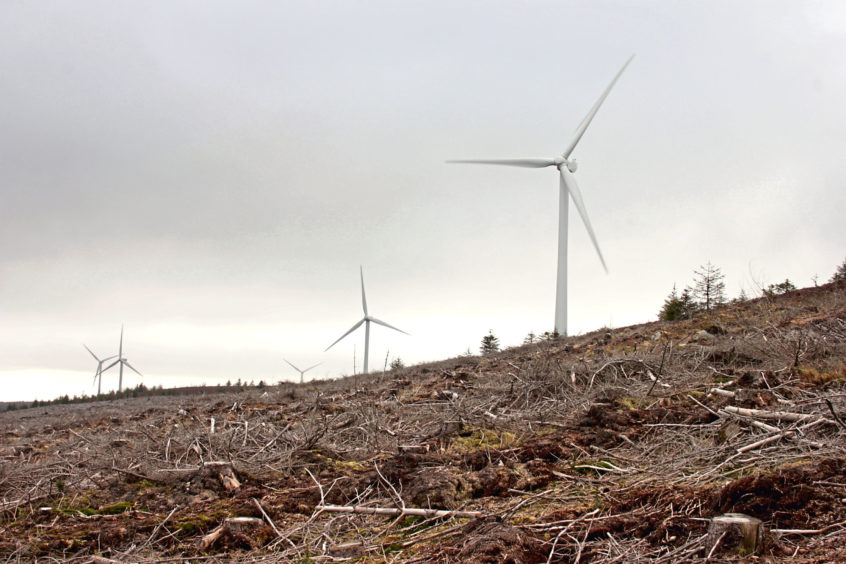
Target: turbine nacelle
[571, 164]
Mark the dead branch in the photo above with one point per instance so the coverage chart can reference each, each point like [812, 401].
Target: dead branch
[764, 414]
[429, 513]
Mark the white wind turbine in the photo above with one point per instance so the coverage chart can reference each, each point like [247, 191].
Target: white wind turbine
[122, 362]
[302, 372]
[366, 320]
[99, 373]
[567, 188]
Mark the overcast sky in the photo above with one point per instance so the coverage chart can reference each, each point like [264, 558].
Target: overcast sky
[212, 174]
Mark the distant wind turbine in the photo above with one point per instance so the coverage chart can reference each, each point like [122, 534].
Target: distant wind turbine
[302, 372]
[567, 188]
[121, 361]
[99, 373]
[366, 320]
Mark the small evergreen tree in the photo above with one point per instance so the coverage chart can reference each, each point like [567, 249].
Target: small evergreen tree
[780, 288]
[689, 305]
[678, 306]
[709, 289]
[673, 307]
[397, 364]
[741, 297]
[490, 344]
[840, 273]
[549, 336]
[530, 338]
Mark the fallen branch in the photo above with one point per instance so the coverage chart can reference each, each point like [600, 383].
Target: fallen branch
[808, 531]
[762, 442]
[763, 414]
[267, 518]
[834, 413]
[160, 525]
[397, 511]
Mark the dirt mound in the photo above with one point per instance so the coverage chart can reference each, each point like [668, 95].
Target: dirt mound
[496, 542]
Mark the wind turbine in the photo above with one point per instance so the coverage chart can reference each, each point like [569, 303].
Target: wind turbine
[567, 188]
[99, 372]
[302, 372]
[122, 362]
[366, 320]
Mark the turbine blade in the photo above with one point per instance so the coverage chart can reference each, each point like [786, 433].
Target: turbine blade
[131, 368]
[310, 367]
[291, 364]
[109, 366]
[568, 181]
[525, 163]
[589, 117]
[380, 322]
[92, 354]
[363, 298]
[120, 347]
[354, 327]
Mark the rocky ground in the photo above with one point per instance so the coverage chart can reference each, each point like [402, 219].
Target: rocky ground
[616, 446]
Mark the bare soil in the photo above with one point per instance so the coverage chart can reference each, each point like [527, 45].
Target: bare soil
[615, 446]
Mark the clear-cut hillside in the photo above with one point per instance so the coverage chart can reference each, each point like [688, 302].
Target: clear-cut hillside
[616, 446]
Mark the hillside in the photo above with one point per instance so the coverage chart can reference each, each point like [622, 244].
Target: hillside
[616, 446]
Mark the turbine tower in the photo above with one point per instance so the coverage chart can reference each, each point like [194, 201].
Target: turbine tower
[121, 361]
[366, 320]
[567, 189]
[99, 372]
[302, 372]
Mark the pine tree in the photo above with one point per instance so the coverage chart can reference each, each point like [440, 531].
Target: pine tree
[709, 289]
[689, 305]
[780, 288]
[677, 306]
[840, 273]
[530, 338]
[490, 344]
[673, 307]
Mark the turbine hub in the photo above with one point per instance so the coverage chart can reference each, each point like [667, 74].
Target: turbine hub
[572, 165]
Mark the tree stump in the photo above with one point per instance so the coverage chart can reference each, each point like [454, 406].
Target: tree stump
[245, 527]
[735, 531]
